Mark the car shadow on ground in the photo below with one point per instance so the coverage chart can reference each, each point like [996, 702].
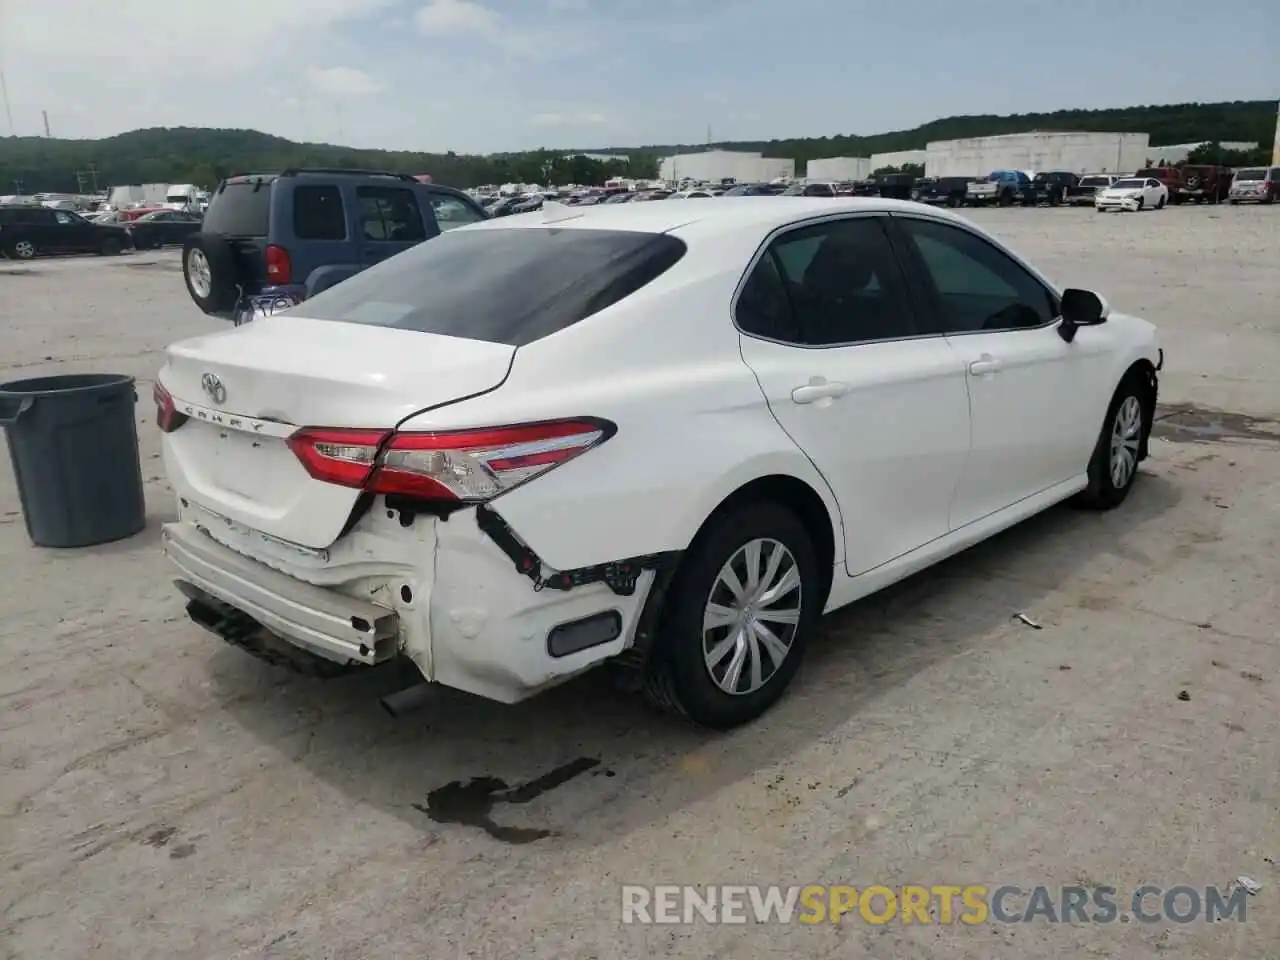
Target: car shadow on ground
[624, 761]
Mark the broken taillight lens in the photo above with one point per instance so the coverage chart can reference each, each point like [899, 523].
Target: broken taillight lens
[168, 419]
[469, 466]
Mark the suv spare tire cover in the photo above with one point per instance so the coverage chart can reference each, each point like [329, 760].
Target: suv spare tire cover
[1193, 181]
[224, 280]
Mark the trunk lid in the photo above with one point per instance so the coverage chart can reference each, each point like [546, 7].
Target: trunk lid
[246, 390]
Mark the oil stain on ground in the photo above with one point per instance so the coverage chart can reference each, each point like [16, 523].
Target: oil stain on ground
[1185, 423]
[472, 803]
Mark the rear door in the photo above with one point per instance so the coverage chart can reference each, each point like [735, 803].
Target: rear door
[391, 220]
[881, 411]
[320, 227]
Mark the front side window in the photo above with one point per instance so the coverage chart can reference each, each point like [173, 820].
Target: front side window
[976, 286]
[64, 218]
[843, 283]
[451, 212]
[390, 214]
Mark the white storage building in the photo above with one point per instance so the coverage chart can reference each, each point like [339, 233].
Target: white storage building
[898, 159]
[715, 165]
[839, 168]
[1078, 152]
[1178, 152]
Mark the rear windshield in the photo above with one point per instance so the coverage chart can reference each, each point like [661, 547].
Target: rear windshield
[240, 209]
[1251, 174]
[1094, 181]
[502, 286]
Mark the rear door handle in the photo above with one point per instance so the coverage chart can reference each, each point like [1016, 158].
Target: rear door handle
[984, 365]
[819, 389]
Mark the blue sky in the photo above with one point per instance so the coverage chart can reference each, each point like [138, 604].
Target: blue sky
[487, 75]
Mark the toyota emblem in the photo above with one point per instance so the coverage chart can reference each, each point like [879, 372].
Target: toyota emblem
[213, 388]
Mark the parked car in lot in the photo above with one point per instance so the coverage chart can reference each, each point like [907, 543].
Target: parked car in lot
[294, 233]
[163, 228]
[1048, 187]
[1000, 188]
[1255, 185]
[1085, 190]
[27, 231]
[1132, 194]
[815, 189]
[665, 437]
[942, 191]
[1203, 183]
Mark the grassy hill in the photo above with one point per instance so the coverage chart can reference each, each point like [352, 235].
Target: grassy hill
[203, 155]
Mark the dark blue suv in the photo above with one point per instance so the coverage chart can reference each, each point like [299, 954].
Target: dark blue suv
[271, 239]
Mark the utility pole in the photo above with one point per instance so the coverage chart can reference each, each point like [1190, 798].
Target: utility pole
[1275, 147]
[79, 182]
[45, 114]
[8, 110]
[93, 175]
[17, 187]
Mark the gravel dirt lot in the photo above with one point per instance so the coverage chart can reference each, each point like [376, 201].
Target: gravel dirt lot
[164, 795]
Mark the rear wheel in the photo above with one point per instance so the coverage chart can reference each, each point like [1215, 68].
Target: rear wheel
[743, 604]
[21, 250]
[1160, 204]
[1114, 465]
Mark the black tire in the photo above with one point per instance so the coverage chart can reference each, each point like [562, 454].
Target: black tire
[1142, 202]
[1235, 203]
[1160, 204]
[678, 679]
[21, 250]
[110, 247]
[1006, 198]
[223, 287]
[1103, 493]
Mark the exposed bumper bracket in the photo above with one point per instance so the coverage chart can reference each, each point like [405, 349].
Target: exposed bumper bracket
[620, 576]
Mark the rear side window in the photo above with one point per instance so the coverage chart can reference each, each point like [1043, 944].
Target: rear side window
[390, 214]
[240, 209]
[318, 213]
[501, 286]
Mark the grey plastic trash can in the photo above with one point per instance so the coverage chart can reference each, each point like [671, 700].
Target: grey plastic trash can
[74, 447]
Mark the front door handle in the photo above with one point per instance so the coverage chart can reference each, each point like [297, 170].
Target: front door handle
[984, 366]
[819, 388]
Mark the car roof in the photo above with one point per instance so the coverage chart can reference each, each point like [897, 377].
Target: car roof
[704, 218]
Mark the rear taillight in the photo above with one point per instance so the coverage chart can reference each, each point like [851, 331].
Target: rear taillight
[343, 457]
[469, 466]
[168, 419]
[279, 268]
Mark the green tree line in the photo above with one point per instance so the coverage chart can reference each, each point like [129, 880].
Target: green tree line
[203, 156]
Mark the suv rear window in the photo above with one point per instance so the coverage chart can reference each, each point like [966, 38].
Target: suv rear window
[501, 286]
[242, 208]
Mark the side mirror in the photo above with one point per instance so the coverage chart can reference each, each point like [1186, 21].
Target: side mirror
[1081, 308]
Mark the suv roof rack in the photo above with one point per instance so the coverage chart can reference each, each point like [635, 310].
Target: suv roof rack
[294, 171]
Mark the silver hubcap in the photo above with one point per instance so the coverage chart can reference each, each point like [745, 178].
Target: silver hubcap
[25, 249]
[751, 616]
[1126, 434]
[198, 272]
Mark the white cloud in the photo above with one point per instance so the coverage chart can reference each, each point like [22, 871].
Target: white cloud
[582, 118]
[453, 17]
[343, 81]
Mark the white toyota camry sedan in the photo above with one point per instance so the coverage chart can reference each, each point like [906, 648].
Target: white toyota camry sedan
[664, 436]
[1132, 194]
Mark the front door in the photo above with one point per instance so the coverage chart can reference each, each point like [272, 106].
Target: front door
[391, 221]
[1030, 392]
[880, 410]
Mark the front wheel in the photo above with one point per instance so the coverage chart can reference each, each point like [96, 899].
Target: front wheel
[110, 247]
[1114, 465]
[744, 602]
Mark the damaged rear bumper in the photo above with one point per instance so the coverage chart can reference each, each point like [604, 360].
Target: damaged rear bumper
[440, 591]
